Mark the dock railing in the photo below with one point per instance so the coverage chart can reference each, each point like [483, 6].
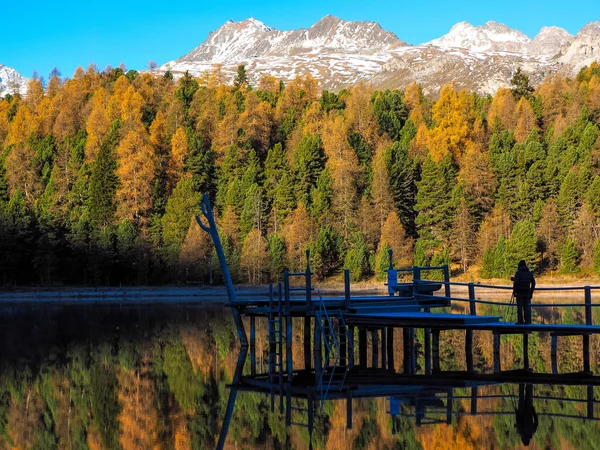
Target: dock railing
[473, 300]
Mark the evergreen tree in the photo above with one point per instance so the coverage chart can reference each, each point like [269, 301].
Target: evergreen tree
[519, 85]
[403, 176]
[326, 252]
[308, 161]
[569, 257]
[357, 258]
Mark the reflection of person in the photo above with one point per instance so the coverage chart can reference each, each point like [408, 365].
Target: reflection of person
[523, 287]
[526, 417]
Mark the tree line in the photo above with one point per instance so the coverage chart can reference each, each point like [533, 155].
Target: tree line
[101, 175]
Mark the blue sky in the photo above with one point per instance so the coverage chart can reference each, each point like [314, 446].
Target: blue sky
[67, 34]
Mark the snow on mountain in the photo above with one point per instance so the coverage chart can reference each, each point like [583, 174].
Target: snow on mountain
[491, 37]
[584, 49]
[339, 53]
[11, 81]
[550, 41]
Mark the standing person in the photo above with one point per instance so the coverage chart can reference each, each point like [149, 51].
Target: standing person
[523, 287]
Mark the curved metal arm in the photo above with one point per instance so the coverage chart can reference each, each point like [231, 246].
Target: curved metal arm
[204, 227]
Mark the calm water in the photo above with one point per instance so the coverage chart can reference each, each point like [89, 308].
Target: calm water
[160, 378]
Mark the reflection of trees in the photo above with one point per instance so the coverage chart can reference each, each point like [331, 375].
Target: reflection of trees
[142, 379]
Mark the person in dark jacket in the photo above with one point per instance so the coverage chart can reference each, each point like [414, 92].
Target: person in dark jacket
[526, 417]
[523, 287]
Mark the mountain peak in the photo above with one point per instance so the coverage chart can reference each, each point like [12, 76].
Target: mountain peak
[11, 81]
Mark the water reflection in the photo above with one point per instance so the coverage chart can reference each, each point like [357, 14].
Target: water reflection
[169, 377]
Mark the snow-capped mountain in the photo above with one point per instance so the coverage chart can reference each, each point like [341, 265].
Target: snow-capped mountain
[339, 53]
[11, 81]
[491, 37]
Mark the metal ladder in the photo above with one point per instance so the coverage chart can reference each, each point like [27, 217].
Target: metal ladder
[330, 330]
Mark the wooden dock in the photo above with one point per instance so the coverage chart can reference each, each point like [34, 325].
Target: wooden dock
[335, 331]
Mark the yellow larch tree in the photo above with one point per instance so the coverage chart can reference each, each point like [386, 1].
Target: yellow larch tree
[179, 151]
[380, 189]
[359, 113]
[525, 121]
[452, 116]
[502, 109]
[392, 233]
[253, 259]
[136, 164]
[97, 124]
[297, 232]
[256, 120]
[343, 167]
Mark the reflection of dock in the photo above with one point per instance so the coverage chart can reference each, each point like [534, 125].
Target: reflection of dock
[424, 398]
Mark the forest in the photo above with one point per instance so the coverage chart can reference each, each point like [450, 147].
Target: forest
[101, 175]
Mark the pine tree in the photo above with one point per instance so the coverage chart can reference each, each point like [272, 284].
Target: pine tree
[357, 258]
[569, 257]
[520, 86]
[326, 252]
[307, 162]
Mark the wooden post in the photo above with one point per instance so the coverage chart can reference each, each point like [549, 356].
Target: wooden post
[447, 281]
[288, 347]
[497, 366]
[588, 321]
[343, 345]
[384, 348]
[317, 353]
[375, 344]
[347, 298]
[362, 347]
[253, 345]
[427, 333]
[435, 350]
[307, 336]
[351, 348]
[553, 355]
[416, 279]
[349, 409]
[472, 303]
[390, 348]
[288, 406]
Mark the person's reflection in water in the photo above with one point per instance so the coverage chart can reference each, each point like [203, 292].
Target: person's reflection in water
[526, 417]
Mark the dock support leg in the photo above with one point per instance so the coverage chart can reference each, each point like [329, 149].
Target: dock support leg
[469, 350]
[362, 347]
[553, 355]
[435, 350]
[307, 355]
[590, 402]
[288, 348]
[317, 350]
[351, 347]
[427, 351]
[253, 345]
[449, 403]
[375, 344]
[413, 352]
[384, 348]
[406, 347]
[310, 401]
[474, 400]
[390, 348]
[497, 366]
[526, 351]
[586, 353]
[288, 405]
[349, 409]
[343, 345]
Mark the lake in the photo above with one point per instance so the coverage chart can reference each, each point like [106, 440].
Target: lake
[160, 377]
